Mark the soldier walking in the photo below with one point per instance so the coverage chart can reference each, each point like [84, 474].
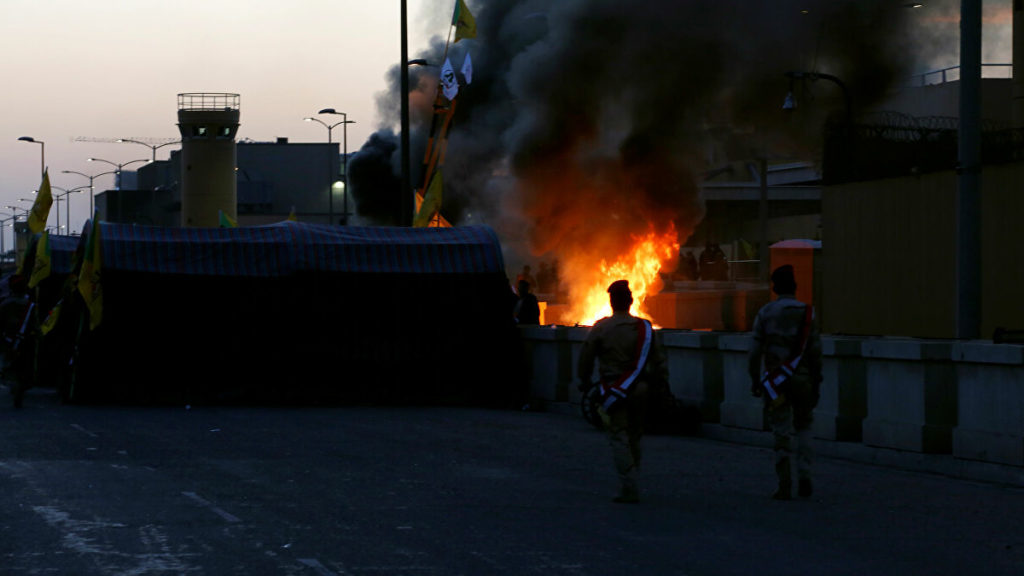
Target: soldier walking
[629, 359]
[787, 342]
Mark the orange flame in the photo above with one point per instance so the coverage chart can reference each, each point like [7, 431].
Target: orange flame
[640, 265]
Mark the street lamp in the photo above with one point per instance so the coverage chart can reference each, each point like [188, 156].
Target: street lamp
[151, 146]
[3, 224]
[344, 154]
[117, 182]
[344, 122]
[42, 153]
[790, 102]
[405, 206]
[90, 177]
[67, 208]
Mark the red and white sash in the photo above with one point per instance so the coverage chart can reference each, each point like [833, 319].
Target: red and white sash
[772, 380]
[618, 389]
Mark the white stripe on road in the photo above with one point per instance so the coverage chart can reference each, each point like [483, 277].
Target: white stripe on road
[84, 431]
[218, 511]
[316, 565]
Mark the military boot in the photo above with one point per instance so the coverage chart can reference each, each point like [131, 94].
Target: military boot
[784, 472]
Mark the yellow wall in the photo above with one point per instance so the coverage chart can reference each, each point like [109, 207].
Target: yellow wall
[889, 259]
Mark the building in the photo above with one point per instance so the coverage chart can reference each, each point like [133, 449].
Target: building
[275, 179]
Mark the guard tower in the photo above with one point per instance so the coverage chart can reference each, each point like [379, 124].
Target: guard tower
[208, 123]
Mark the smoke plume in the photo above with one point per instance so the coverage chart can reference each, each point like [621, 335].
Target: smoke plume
[588, 121]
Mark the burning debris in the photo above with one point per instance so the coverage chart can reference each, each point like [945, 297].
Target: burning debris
[588, 122]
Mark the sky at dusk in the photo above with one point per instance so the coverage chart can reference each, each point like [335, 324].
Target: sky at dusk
[113, 69]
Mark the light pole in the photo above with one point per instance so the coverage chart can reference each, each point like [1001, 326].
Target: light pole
[405, 206]
[90, 177]
[10, 207]
[344, 122]
[344, 154]
[42, 153]
[3, 224]
[117, 182]
[67, 207]
[151, 146]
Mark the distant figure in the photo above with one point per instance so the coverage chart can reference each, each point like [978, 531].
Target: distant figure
[544, 278]
[556, 282]
[687, 268]
[713, 264]
[527, 308]
[787, 341]
[630, 359]
[525, 275]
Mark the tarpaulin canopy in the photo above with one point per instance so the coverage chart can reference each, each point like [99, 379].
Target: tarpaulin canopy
[285, 248]
[302, 311]
[62, 252]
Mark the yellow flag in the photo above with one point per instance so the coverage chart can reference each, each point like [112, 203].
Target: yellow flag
[292, 217]
[462, 19]
[41, 207]
[50, 321]
[89, 277]
[226, 221]
[431, 202]
[41, 264]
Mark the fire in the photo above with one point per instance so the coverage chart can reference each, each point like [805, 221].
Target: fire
[640, 265]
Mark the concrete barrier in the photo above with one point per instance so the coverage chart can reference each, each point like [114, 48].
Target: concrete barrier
[739, 407]
[547, 362]
[695, 371]
[911, 393]
[843, 404]
[963, 399]
[990, 402]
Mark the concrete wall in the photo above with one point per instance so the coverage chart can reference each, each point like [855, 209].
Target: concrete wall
[965, 399]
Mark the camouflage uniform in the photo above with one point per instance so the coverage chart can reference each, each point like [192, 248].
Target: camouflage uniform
[777, 334]
[613, 342]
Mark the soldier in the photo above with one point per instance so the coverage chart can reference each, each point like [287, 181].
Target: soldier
[630, 358]
[787, 340]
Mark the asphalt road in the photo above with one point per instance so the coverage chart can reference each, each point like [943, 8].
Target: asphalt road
[122, 490]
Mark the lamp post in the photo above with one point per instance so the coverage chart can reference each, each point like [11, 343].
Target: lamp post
[90, 177]
[67, 207]
[344, 122]
[151, 146]
[3, 224]
[790, 102]
[42, 153]
[344, 154]
[117, 182]
[405, 206]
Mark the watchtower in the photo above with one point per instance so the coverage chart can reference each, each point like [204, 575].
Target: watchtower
[208, 123]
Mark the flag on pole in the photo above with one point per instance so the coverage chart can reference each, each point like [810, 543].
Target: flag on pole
[449, 84]
[41, 264]
[431, 202]
[89, 277]
[226, 221]
[462, 19]
[41, 207]
[467, 70]
[50, 322]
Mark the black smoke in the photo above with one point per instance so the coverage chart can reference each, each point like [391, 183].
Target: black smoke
[591, 120]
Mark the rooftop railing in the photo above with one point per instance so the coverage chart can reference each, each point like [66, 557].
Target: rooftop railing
[952, 74]
[207, 101]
